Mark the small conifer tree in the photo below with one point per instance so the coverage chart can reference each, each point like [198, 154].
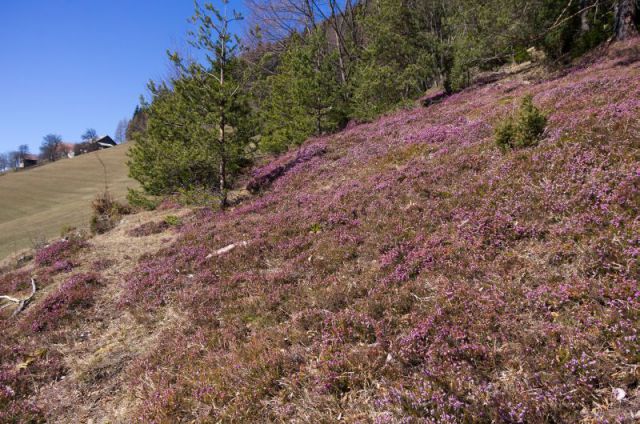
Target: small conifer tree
[198, 124]
[523, 130]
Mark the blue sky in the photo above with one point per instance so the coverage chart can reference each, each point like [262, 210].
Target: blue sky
[68, 65]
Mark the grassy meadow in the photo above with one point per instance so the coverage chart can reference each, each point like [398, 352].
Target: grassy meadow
[36, 203]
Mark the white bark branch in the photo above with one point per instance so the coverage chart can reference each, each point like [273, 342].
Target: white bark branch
[22, 303]
[227, 249]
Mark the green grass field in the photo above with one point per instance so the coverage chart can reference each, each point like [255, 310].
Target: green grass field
[36, 203]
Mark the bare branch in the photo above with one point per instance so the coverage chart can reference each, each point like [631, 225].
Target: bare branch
[22, 303]
[562, 21]
[227, 249]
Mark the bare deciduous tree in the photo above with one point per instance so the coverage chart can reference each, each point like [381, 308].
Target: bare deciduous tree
[121, 131]
[23, 150]
[14, 159]
[277, 20]
[89, 135]
[50, 146]
[4, 162]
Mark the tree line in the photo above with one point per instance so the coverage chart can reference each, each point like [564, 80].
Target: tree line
[308, 67]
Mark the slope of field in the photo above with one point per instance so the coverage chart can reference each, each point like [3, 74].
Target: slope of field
[402, 271]
[36, 203]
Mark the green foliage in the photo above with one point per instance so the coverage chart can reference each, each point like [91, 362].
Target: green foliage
[523, 130]
[354, 65]
[568, 38]
[304, 96]
[488, 34]
[386, 76]
[176, 151]
[138, 122]
[315, 228]
[198, 196]
[521, 55]
[139, 200]
[199, 125]
[172, 220]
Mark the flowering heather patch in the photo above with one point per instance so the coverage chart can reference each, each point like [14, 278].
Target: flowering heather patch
[102, 264]
[23, 367]
[263, 177]
[62, 266]
[413, 272]
[76, 293]
[58, 251]
[15, 281]
[155, 279]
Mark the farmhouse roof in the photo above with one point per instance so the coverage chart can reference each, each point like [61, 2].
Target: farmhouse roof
[106, 141]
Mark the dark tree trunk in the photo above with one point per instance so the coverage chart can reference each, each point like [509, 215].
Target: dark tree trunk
[223, 165]
[626, 19]
[223, 183]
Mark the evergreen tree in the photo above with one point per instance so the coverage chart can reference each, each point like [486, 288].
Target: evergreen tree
[405, 54]
[138, 122]
[304, 95]
[197, 130]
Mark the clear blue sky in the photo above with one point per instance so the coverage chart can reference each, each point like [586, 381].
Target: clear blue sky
[68, 65]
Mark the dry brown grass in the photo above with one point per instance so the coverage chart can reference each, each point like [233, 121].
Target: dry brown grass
[101, 348]
[37, 203]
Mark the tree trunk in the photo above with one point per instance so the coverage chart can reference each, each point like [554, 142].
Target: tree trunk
[223, 141]
[223, 163]
[343, 74]
[223, 182]
[626, 19]
[584, 16]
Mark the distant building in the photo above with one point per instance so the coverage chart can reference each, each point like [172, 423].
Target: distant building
[28, 161]
[100, 143]
[65, 150]
[105, 142]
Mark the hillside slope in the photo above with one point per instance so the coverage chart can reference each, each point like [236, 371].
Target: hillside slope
[38, 202]
[404, 270]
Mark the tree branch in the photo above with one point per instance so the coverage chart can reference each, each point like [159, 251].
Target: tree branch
[22, 303]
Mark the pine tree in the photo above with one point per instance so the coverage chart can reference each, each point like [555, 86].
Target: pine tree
[197, 128]
[304, 95]
[405, 54]
[138, 122]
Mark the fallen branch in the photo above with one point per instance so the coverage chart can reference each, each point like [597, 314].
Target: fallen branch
[227, 249]
[22, 303]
